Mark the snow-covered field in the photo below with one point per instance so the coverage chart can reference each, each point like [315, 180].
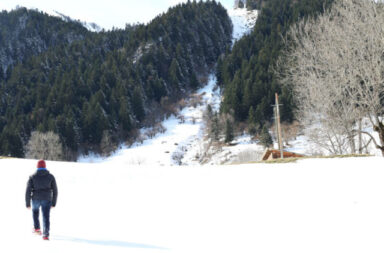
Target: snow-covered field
[323, 205]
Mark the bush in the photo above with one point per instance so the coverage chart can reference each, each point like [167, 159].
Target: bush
[45, 146]
[249, 155]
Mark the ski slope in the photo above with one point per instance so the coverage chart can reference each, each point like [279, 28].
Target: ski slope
[324, 205]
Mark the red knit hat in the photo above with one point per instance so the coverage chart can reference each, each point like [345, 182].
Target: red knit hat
[41, 164]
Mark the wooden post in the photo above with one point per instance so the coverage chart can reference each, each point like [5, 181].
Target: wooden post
[280, 140]
[276, 127]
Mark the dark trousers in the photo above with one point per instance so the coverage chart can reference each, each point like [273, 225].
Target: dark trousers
[45, 208]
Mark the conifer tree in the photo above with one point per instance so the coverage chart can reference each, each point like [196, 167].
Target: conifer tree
[229, 135]
[252, 121]
[174, 73]
[137, 104]
[251, 116]
[194, 83]
[11, 144]
[219, 71]
[124, 117]
[215, 127]
[265, 137]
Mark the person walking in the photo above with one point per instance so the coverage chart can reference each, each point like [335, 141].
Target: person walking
[42, 189]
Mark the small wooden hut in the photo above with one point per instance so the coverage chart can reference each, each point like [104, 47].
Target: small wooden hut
[271, 154]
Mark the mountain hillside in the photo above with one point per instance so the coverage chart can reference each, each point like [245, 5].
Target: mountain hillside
[110, 83]
[25, 33]
[183, 140]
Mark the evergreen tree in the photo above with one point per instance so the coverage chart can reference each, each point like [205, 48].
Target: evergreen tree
[137, 104]
[229, 135]
[174, 73]
[252, 122]
[215, 127]
[251, 116]
[219, 71]
[94, 124]
[265, 137]
[124, 116]
[194, 83]
[11, 144]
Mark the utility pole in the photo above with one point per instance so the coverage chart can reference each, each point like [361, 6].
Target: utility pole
[277, 118]
[276, 127]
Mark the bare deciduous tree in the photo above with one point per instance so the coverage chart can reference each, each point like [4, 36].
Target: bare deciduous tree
[45, 146]
[335, 64]
[290, 131]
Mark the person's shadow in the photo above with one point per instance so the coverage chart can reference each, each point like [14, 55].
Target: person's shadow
[107, 243]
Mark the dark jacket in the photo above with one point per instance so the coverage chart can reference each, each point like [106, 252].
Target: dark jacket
[41, 186]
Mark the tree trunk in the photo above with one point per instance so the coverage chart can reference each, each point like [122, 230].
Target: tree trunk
[360, 137]
[381, 134]
[352, 143]
[380, 129]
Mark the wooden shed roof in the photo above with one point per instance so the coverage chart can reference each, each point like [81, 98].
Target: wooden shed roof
[270, 154]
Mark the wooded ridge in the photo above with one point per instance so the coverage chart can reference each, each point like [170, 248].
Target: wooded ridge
[106, 84]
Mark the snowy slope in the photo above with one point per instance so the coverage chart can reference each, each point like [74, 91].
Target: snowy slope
[325, 205]
[243, 21]
[178, 139]
[91, 26]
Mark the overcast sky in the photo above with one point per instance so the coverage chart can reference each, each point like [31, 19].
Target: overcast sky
[105, 13]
